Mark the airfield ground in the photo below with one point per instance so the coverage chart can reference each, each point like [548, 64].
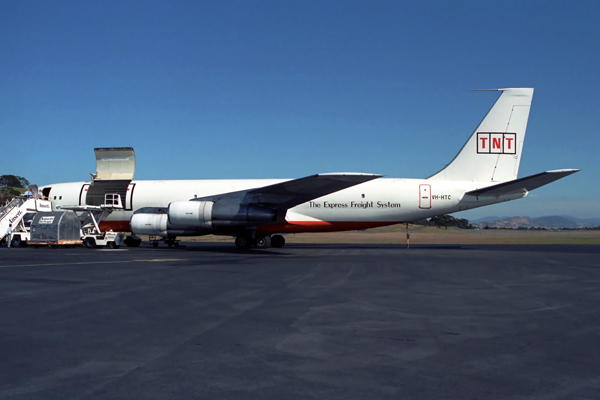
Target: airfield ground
[430, 235]
[308, 321]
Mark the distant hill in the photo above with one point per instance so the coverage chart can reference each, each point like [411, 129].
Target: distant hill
[593, 221]
[488, 218]
[548, 222]
[510, 223]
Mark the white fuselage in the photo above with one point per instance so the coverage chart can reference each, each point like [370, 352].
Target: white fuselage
[490, 157]
[375, 203]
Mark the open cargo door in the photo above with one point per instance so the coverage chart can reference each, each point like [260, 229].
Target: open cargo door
[114, 163]
[115, 168]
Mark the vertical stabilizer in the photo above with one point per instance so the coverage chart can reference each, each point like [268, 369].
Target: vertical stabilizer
[493, 152]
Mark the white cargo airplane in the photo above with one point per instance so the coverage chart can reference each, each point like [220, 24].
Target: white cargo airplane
[257, 212]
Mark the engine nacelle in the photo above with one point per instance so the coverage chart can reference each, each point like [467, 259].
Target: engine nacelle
[191, 213]
[240, 215]
[149, 224]
[188, 218]
[158, 225]
[217, 215]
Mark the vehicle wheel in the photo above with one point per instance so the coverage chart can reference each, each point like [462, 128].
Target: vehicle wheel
[113, 245]
[90, 243]
[277, 241]
[155, 244]
[243, 242]
[16, 241]
[170, 243]
[263, 242]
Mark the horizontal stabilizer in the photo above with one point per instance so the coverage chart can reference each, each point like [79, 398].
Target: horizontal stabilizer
[289, 194]
[526, 184]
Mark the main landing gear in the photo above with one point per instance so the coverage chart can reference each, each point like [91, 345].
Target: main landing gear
[261, 242]
[132, 241]
[169, 241]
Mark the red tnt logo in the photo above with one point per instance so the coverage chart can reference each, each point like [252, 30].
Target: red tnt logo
[496, 143]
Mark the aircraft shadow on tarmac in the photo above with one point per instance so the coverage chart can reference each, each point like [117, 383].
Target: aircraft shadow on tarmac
[228, 249]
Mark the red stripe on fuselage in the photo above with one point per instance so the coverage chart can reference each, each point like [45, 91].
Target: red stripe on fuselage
[288, 227]
[115, 226]
[320, 226]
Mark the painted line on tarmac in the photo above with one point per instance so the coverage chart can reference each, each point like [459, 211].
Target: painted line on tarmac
[97, 262]
[112, 250]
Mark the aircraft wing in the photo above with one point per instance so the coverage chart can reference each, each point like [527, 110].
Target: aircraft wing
[526, 184]
[289, 194]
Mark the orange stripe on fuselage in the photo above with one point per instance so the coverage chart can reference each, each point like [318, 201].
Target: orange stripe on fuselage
[320, 226]
[115, 226]
[288, 227]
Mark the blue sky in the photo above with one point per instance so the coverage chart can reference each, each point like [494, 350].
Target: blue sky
[285, 89]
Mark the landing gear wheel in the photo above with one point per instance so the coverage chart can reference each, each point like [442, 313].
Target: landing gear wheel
[90, 243]
[131, 241]
[243, 242]
[277, 241]
[263, 242]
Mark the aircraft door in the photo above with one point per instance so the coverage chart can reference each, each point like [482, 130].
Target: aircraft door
[129, 197]
[83, 194]
[425, 196]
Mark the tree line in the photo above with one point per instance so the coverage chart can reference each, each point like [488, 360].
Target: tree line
[444, 221]
[12, 181]
[8, 183]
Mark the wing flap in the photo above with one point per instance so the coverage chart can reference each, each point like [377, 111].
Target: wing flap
[526, 184]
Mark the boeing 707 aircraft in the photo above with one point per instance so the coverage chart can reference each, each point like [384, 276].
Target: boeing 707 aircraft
[259, 212]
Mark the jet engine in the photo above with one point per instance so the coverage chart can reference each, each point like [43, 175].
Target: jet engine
[158, 225]
[192, 213]
[198, 217]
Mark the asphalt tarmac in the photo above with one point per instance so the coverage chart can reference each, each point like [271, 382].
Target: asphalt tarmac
[301, 322]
